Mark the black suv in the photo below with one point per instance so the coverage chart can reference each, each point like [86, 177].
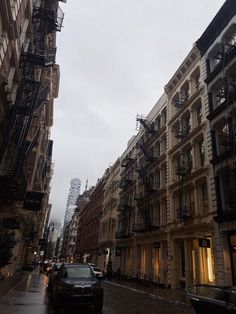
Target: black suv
[76, 284]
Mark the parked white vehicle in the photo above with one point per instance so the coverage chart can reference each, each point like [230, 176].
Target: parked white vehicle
[97, 271]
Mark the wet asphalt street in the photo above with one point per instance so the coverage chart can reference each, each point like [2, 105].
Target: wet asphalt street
[30, 297]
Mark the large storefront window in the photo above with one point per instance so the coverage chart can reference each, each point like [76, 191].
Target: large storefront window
[156, 264]
[233, 257]
[202, 261]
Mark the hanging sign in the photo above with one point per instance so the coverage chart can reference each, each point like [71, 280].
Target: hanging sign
[204, 243]
[33, 201]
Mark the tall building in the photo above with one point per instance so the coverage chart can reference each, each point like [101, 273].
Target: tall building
[74, 191]
[219, 64]
[29, 82]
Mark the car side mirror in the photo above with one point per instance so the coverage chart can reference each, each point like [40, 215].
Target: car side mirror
[98, 277]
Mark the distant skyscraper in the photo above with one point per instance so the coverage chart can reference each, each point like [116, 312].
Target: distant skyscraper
[74, 191]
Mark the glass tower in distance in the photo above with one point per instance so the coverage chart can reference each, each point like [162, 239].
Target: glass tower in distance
[74, 192]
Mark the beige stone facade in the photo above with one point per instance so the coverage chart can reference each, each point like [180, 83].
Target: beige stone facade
[106, 235]
[165, 223]
[190, 228]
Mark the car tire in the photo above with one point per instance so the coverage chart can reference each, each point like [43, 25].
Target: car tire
[98, 307]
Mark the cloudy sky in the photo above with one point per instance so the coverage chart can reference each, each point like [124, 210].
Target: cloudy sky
[115, 58]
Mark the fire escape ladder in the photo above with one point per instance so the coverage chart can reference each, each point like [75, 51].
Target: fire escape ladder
[23, 118]
[18, 115]
[49, 149]
[30, 144]
[144, 123]
[146, 153]
[52, 14]
[42, 97]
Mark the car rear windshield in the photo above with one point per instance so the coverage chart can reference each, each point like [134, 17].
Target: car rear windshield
[78, 272]
[96, 269]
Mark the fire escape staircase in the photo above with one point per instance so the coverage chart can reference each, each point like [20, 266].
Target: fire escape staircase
[185, 209]
[143, 205]
[143, 121]
[31, 94]
[149, 156]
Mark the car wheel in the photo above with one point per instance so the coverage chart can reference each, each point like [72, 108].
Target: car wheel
[98, 307]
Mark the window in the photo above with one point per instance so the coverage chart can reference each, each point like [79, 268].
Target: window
[164, 117]
[79, 272]
[199, 114]
[201, 147]
[158, 122]
[204, 192]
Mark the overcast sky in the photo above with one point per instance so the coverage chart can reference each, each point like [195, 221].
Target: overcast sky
[115, 58]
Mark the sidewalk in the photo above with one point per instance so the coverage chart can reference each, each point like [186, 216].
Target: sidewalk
[174, 295]
[8, 284]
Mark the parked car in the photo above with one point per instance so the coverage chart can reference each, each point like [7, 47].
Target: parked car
[212, 299]
[76, 284]
[92, 265]
[97, 272]
[53, 274]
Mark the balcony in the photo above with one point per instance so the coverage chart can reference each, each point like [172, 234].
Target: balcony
[126, 161]
[221, 62]
[185, 212]
[122, 234]
[150, 225]
[183, 130]
[125, 183]
[52, 15]
[45, 57]
[183, 168]
[142, 121]
[178, 103]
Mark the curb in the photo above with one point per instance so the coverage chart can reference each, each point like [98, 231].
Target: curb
[14, 286]
[153, 296]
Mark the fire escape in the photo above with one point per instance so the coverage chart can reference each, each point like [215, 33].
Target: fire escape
[181, 100]
[31, 95]
[182, 130]
[182, 170]
[125, 200]
[224, 156]
[146, 184]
